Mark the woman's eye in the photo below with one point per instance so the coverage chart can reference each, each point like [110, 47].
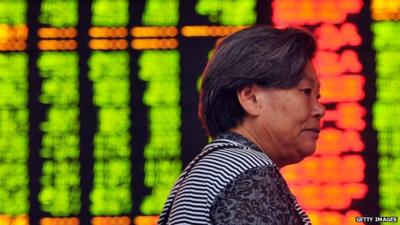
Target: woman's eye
[307, 91]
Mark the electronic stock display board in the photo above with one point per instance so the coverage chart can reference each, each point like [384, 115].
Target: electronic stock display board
[98, 105]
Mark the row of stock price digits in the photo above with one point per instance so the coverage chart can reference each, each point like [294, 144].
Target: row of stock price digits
[386, 29]
[160, 70]
[58, 68]
[14, 114]
[109, 72]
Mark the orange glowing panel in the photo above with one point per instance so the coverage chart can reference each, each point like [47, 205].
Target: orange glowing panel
[327, 63]
[57, 45]
[351, 116]
[354, 171]
[311, 12]
[349, 62]
[13, 33]
[330, 37]
[108, 220]
[333, 142]
[334, 197]
[14, 220]
[59, 221]
[13, 38]
[330, 142]
[349, 34]
[334, 217]
[328, 196]
[347, 116]
[324, 170]
[331, 64]
[385, 10]
[111, 32]
[154, 31]
[49, 32]
[146, 220]
[153, 43]
[13, 46]
[108, 44]
[211, 31]
[345, 88]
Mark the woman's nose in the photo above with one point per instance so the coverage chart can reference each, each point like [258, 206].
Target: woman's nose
[319, 110]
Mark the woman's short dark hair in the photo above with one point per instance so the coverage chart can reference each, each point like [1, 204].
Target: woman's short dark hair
[262, 55]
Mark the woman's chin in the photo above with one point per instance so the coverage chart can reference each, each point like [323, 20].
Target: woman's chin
[306, 150]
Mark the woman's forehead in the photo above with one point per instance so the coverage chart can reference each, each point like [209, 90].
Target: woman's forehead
[310, 76]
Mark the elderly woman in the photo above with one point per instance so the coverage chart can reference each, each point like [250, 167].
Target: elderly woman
[259, 103]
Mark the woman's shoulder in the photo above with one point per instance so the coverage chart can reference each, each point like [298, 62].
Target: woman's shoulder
[235, 154]
[224, 161]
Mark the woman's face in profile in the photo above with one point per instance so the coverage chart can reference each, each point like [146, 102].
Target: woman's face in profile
[291, 118]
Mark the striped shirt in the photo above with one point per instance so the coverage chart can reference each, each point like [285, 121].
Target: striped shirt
[204, 190]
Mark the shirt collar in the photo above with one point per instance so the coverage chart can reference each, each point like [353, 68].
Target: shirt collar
[233, 136]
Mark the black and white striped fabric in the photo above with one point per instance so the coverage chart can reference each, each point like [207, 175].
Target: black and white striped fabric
[206, 176]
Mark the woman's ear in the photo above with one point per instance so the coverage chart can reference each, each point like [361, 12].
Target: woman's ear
[248, 100]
